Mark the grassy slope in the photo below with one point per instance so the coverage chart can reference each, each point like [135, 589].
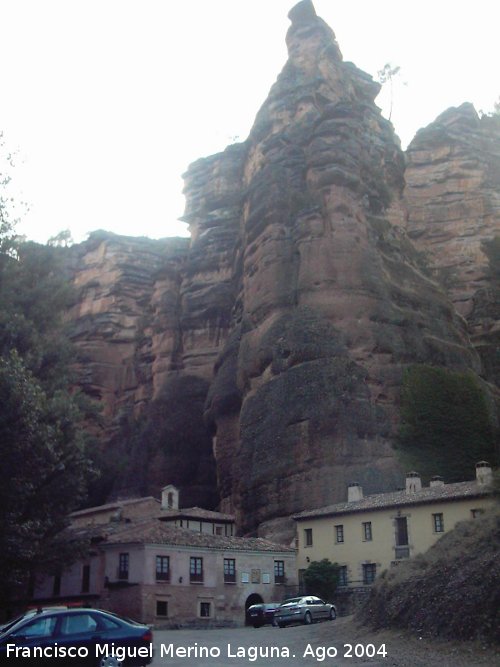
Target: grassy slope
[451, 591]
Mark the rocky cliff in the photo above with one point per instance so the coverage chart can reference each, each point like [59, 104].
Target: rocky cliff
[268, 351]
[453, 200]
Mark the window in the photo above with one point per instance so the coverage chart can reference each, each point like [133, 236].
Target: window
[161, 608]
[438, 521]
[369, 573]
[218, 530]
[343, 581]
[339, 534]
[367, 531]
[308, 537]
[56, 586]
[205, 609]
[123, 561]
[229, 570]
[162, 568]
[476, 513]
[401, 531]
[42, 627]
[85, 578]
[279, 571]
[108, 624]
[195, 569]
[78, 624]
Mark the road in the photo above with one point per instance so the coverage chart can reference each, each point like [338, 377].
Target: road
[336, 643]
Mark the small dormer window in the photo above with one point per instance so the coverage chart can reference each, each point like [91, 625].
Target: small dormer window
[170, 500]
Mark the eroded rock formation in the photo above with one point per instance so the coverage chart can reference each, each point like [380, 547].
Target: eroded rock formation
[276, 338]
[453, 198]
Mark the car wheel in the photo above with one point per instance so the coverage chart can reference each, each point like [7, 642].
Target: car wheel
[109, 661]
[256, 625]
[308, 618]
[333, 614]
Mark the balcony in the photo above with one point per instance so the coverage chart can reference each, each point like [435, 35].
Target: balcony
[279, 579]
[229, 577]
[122, 575]
[163, 576]
[196, 577]
[401, 552]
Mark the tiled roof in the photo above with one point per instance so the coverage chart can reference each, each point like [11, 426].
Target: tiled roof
[379, 501]
[156, 532]
[115, 505]
[195, 513]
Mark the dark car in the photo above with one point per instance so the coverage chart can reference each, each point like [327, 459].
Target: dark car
[28, 614]
[76, 637]
[306, 609]
[260, 614]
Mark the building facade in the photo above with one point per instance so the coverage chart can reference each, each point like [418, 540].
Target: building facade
[367, 535]
[167, 566]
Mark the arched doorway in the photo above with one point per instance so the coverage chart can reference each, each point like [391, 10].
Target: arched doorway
[254, 598]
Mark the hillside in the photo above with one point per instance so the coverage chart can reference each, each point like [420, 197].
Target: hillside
[451, 591]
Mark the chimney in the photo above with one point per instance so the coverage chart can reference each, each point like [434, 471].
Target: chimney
[413, 482]
[354, 492]
[436, 481]
[484, 474]
[170, 497]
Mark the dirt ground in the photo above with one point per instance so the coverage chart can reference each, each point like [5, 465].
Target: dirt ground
[332, 644]
[408, 650]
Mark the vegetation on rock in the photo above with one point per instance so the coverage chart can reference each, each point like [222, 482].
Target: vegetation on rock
[446, 426]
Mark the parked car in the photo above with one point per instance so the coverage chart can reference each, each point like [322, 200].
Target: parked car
[306, 609]
[76, 637]
[260, 614]
[28, 614]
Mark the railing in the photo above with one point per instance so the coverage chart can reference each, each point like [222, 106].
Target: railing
[229, 577]
[279, 579]
[163, 576]
[122, 574]
[196, 577]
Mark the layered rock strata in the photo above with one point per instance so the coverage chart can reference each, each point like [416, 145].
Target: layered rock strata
[269, 349]
[334, 301]
[125, 319]
[453, 200]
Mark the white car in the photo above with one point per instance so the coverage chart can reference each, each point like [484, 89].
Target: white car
[306, 609]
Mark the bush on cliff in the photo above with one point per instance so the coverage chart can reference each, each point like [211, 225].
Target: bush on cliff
[446, 425]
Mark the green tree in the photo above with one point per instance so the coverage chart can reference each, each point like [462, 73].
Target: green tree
[321, 579]
[10, 209]
[43, 463]
[44, 473]
[62, 239]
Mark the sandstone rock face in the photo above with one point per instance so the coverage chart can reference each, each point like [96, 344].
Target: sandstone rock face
[334, 301]
[453, 199]
[259, 364]
[125, 322]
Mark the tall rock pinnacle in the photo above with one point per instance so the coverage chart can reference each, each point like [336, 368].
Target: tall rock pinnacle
[270, 350]
[331, 299]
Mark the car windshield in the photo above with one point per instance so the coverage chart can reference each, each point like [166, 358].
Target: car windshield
[11, 624]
